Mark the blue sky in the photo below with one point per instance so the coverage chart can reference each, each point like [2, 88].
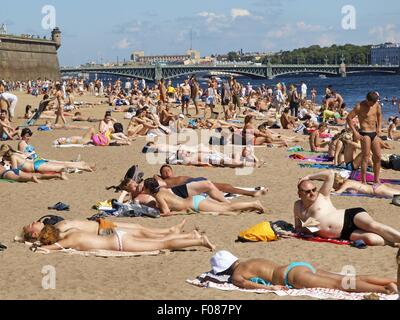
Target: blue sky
[104, 30]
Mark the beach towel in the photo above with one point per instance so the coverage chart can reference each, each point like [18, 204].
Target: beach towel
[65, 146]
[209, 280]
[7, 180]
[324, 166]
[99, 253]
[356, 175]
[349, 194]
[323, 240]
[321, 158]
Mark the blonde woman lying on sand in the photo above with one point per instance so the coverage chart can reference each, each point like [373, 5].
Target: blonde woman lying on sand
[170, 204]
[342, 185]
[122, 241]
[20, 162]
[102, 227]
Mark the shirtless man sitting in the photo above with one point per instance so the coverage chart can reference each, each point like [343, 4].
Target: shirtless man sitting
[265, 274]
[170, 204]
[351, 224]
[169, 180]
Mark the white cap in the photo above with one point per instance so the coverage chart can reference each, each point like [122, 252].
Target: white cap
[222, 261]
[182, 116]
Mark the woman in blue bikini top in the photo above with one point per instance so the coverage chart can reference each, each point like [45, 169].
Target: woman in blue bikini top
[265, 274]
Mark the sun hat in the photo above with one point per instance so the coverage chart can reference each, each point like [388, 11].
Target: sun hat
[222, 261]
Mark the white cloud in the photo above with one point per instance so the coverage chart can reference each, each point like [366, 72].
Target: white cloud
[123, 44]
[214, 22]
[309, 27]
[388, 33]
[236, 12]
[326, 40]
[283, 31]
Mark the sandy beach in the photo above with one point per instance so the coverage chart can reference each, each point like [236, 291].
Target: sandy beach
[163, 277]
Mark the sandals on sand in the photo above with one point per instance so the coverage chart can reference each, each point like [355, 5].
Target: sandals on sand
[2, 247]
[359, 244]
[60, 207]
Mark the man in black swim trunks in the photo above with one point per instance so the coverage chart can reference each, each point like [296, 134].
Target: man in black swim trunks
[351, 224]
[369, 114]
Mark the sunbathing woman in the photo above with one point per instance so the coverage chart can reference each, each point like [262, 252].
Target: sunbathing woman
[122, 241]
[91, 137]
[216, 159]
[170, 204]
[19, 162]
[265, 274]
[104, 227]
[140, 125]
[20, 176]
[377, 189]
[393, 133]
[254, 137]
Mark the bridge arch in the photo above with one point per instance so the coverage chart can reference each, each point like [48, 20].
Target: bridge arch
[196, 71]
[282, 73]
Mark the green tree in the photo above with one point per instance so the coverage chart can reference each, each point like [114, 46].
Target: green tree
[233, 56]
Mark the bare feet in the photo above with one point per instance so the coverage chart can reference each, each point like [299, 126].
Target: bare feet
[178, 228]
[206, 243]
[35, 179]
[63, 176]
[261, 192]
[196, 235]
[259, 207]
[391, 288]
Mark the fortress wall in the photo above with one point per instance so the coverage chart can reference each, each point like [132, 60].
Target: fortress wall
[28, 59]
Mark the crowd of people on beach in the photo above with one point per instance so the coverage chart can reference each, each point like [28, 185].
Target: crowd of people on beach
[233, 115]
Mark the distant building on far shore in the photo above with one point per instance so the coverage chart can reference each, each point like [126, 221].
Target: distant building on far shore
[140, 57]
[385, 54]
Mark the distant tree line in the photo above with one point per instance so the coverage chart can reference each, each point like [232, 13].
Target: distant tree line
[316, 55]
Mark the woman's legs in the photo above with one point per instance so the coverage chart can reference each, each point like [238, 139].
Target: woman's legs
[56, 167]
[160, 231]
[213, 206]
[133, 245]
[155, 237]
[386, 191]
[302, 277]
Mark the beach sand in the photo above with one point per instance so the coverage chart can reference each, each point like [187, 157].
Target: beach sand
[163, 277]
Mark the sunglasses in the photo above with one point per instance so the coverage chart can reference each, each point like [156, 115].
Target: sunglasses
[310, 191]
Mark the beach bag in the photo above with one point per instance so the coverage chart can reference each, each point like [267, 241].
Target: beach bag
[395, 162]
[261, 232]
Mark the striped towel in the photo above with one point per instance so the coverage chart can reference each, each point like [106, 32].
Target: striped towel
[208, 280]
